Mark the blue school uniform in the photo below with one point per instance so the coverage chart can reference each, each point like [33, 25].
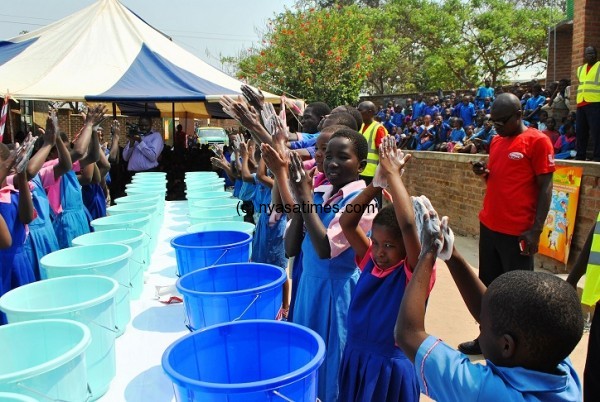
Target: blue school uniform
[237, 186]
[445, 374]
[268, 246]
[42, 239]
[94, 200]
[74, 219]
[373, 368]
[15, 267]
[323, 297]
[247, 191]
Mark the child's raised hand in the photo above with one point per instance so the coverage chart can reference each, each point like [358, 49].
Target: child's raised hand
[277, 162]
[254, 98]
[243, 148]
[268, 116]
[301, 182]
[391, 159]
[432, 239]
[23, 153]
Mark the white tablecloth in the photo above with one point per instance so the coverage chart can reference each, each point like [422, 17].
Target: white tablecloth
[154, 325]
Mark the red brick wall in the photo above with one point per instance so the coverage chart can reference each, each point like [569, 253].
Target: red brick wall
[564, 42]
[447, 180]
[586, 32]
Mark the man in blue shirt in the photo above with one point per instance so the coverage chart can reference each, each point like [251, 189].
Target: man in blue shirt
[431, 109]
[534, 104]
[465, 110]
[484, 92]
[418, 108]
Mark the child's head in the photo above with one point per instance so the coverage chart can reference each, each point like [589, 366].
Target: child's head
[4, 152]
[345, 157]
[568, 129]
[386, 238]
[338, 118]
[458, 122]
[529, 319]
[322, 141]
[543, 116]
[469, 130]
[353, 112]
[551, 123]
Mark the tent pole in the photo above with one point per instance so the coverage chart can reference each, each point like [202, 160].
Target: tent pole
[173, 116]
[114, 105]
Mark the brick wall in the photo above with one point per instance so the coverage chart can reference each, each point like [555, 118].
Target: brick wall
[586, 32]
[564, 50]
[447, 180]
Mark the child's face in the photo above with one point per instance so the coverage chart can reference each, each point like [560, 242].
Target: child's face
[388, 249]
[551, 124]
[320, 148]
[341, 164]
[492, 345]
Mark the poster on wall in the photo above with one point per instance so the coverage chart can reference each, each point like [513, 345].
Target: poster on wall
[555, 240]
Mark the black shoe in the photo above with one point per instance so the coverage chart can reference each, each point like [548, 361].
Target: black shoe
[470, 348]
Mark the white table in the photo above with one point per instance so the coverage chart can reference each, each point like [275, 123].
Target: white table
[153, 326]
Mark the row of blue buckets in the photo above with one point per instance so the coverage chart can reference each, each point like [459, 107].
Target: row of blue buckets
[237, 351]
[60, 340]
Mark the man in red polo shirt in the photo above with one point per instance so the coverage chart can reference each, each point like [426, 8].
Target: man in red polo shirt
[517, 199]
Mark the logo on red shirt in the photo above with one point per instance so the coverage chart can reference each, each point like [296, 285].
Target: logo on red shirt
[515, 156]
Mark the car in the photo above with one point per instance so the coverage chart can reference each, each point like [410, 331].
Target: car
[212, 135]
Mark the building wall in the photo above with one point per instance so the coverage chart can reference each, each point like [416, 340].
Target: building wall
[564, 50]
[586, 32]
[454, 190]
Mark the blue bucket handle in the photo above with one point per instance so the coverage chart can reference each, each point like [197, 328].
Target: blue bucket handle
[285, 398]
[209, 266]
[46, 397]
[188, 326]
[247, 308]
[116, 329]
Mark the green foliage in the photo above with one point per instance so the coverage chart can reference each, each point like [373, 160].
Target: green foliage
[314, 54]
[330, 50]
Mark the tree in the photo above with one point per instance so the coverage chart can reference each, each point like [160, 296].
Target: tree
[322, 54]
[482, 38]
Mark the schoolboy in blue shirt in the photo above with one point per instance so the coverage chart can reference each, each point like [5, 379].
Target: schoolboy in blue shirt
[529, 321]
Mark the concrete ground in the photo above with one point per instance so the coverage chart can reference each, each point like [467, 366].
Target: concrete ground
[448, 318]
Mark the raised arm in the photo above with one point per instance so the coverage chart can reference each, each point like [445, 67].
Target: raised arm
[391, 166]
[93, 152]
[49, 135]
[246, 174]
[5, 237]
[409, 332]
[302, 191]
[113, 157]
[82, 141]
[349, 221]
[26, 212]
[580, 265]
[262, 176]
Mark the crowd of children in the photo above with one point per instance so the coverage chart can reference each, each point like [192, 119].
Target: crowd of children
[49, 198]
[461, 123]
[361, 272]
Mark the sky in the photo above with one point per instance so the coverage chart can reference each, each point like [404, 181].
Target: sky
[208, 29]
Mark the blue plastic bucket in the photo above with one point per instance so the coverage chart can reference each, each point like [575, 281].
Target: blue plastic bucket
[110, 260]
[246, 361]
[133, 220]
[152, 186]
[233, 203]
[209, 195]
[203, 181]
[157, 198]
[150, 174]
[147, 208]
[84, 298]
[231, 292]
[201, 250]
[200, 188]
[134, 238]
[10, 397]
[145, 191]
[215, 215]
[201, 174]
[45, 357]
[234, 226]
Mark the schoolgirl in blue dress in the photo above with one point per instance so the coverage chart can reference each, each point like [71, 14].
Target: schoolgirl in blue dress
[16, 208]
[42, 238]
[373, 368]
[92, 193]
[329, 273]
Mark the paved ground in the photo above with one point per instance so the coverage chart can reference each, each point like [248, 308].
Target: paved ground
[448, 317]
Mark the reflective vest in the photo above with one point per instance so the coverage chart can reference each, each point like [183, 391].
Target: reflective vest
[591, 289]
[589, 84]
[373, 155]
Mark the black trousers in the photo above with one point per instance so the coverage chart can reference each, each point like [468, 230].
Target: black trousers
[588, 127]
[591, 373]
[499, 253]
